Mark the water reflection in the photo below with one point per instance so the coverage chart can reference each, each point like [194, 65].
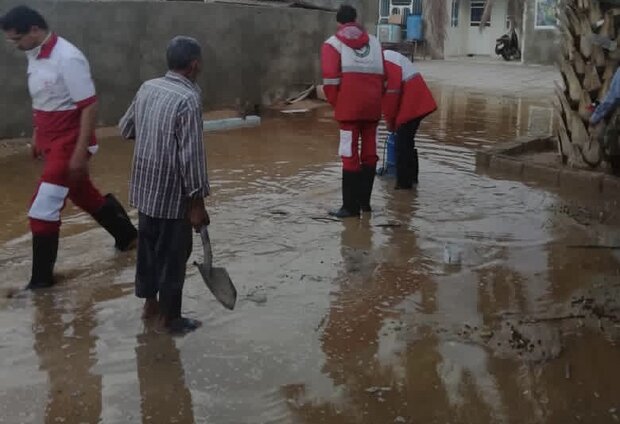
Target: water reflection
[352, 322]
[66, 347]
[476, 119]
[164, 396]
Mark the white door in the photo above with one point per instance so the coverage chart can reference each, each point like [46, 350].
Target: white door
[479, 42]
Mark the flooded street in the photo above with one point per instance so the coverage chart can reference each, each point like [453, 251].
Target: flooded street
[360, 321]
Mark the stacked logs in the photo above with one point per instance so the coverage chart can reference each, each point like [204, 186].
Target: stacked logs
[589, 59]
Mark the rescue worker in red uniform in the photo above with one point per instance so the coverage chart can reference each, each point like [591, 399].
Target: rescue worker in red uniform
[407, 101]
[64, 108]
[352, 65]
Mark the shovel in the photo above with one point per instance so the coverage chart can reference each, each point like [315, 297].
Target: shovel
[217, 279]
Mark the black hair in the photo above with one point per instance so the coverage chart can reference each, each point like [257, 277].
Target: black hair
[21, 19]
[181, 52]
[346, 14]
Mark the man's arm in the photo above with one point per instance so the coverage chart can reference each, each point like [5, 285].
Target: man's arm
[34, 150]
[78, 166]
[127, 124]
[192, 161]
[393, 93]
[76, 74]
[332, 73]
[611, 101]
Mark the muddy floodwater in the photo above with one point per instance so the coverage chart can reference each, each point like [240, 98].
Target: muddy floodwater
[361, 321]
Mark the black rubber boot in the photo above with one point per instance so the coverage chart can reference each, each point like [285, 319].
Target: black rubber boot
[44, 252]
[114, 219]
[407, 171]
[367, 181]
[416, 167]
[350, 196]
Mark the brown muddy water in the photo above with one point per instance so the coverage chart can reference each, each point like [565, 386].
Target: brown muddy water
[359, 321]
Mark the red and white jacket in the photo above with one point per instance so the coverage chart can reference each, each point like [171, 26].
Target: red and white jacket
[61, 86]
[353, 77]
[407, 96]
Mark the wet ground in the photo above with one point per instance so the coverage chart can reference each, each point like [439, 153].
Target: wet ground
[361, 321]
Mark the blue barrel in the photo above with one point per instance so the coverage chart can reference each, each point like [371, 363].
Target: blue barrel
[390, 146]
[414, 27]
[389, 157]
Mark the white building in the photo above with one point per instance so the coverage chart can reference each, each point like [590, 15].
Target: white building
[464, 35]
[537, 31]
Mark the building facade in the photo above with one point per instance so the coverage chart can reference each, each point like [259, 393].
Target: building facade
[465, 36]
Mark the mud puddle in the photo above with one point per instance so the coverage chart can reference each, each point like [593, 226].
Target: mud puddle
[337, 322]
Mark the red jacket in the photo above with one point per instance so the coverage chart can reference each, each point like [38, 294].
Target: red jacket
[353, 78]
[407, 96]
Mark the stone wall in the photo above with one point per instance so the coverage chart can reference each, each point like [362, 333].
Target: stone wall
[251, 54]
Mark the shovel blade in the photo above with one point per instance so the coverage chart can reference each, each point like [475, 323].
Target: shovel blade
[220, 284]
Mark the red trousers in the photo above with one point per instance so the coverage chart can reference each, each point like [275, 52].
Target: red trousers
[53, 189]
[349, 151]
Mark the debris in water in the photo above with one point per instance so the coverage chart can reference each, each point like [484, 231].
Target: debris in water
[324, 219]
[11, 293]
[380, 390]
[257, 297]
[567, 371]
[295, 111]
[593, 246]
[451, 255]
[486, 334]
[389, 225]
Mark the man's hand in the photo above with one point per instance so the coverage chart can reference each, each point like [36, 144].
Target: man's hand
[198, 215]
[78, 166]
[34, 151]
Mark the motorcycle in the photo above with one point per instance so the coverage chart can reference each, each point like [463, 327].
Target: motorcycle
[507, 46]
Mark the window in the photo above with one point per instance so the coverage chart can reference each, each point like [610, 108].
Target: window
[508, 22]
[454, 17]
[401, 2]
[477, 10]
[416, 7]
[384, 8]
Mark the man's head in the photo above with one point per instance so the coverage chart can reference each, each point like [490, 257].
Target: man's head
[24, 27]
[346, 14]
[184, 57]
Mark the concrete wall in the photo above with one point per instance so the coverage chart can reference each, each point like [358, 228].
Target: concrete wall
[254, 54]
[370, 15]
[539, 46]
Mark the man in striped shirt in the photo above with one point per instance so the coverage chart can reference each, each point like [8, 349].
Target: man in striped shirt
[168, 180]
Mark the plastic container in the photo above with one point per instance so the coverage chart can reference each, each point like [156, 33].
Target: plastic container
[414, 27]
[389, 33]
[390, 146]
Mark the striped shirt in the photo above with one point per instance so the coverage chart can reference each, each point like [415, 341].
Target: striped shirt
[165, 119]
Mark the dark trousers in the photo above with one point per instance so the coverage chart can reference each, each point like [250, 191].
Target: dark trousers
[164, 246]
[406, 154]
